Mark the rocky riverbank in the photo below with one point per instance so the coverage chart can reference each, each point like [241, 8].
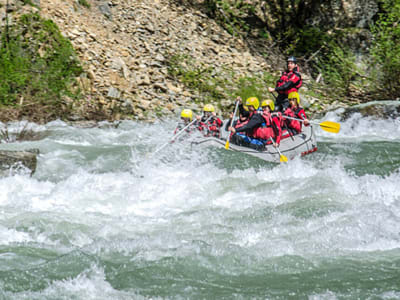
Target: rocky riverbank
[127, 47]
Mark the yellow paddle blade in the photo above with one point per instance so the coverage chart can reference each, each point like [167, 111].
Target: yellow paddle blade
[227, 145]
[283, 158]
[330, 126]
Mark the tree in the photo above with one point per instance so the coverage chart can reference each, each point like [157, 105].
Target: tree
[386, 47]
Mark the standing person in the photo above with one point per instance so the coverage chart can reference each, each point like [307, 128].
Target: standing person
[290, 81]
[209, 123]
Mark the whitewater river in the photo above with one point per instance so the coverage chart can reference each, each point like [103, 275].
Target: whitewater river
[102, 219]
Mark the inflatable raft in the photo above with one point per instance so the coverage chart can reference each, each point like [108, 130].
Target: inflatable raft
[291, 146]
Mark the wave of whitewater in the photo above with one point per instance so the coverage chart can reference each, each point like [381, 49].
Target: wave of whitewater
[103, 219]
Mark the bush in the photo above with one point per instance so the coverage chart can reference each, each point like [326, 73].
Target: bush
[214, 86]
[84, 3]
[36, 63]
[386, 48]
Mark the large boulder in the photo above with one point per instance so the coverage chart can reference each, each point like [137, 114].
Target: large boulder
[375, 109]
[15, 161]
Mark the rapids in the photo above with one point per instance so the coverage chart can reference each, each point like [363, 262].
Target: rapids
[103, 219]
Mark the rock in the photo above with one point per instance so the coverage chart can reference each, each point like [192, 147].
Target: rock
[144, 104]
[17, 161]
[161, 86]
[144, 79]
[173, 88]
[375, 109]
[105, 10]
[113, 93]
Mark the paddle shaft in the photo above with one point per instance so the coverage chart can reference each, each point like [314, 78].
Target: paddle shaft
[174, 137]
[178, 134]
[301, 120]
[233, 117]
[282, 158]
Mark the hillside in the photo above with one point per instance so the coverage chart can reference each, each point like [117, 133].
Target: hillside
[125, 47]
[146, 59]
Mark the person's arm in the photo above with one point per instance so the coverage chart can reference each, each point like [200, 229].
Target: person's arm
[288, 112]
[199, 125]
[277, 130]
[255, 121]
[287, 85]
[219, 122]
[292, 81]
[302, 115]
[228, 124]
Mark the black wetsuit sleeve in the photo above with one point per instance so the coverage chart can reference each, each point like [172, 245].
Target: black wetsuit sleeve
[255, 121]
[241, 108]
[284, 87]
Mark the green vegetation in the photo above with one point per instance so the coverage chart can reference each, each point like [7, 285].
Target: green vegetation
[84, 3]
[214, 86]
[325, 51]
[37, 65]
[386, 48]
[200, 78]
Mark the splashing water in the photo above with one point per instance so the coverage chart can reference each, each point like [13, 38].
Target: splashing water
[103, 219]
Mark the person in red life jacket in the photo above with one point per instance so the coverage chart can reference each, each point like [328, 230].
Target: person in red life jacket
[290, 81]
[292, 126]
[244, 135]
[186, 118]
[209, 124]
[243, 119]
[271, 128]
[295, 111]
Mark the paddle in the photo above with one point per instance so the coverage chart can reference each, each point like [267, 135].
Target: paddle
[173, 137]
[282, 158]
[328, 126]
[229, 135]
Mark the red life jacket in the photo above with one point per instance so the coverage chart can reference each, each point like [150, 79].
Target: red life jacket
[211, 128]
[296, 125]
[239, 123]
[300, 114]
[271, 128]
[293, 76]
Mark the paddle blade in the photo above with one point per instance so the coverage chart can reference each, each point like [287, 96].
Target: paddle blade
[283, 158]
[227, 145]
[330, 126]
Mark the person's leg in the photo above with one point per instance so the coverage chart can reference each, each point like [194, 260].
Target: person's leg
[281, 103]
[257, 144]
[241, 139]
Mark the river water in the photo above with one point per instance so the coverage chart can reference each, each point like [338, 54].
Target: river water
[103, 219]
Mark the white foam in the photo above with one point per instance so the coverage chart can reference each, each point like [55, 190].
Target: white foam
[306, 207]
[358, 128]
[90, 284]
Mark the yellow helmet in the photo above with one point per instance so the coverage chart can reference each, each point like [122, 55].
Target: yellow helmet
[208, 107]
[294, 95]
[269, 103]
[187, 113]
[252, 101]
